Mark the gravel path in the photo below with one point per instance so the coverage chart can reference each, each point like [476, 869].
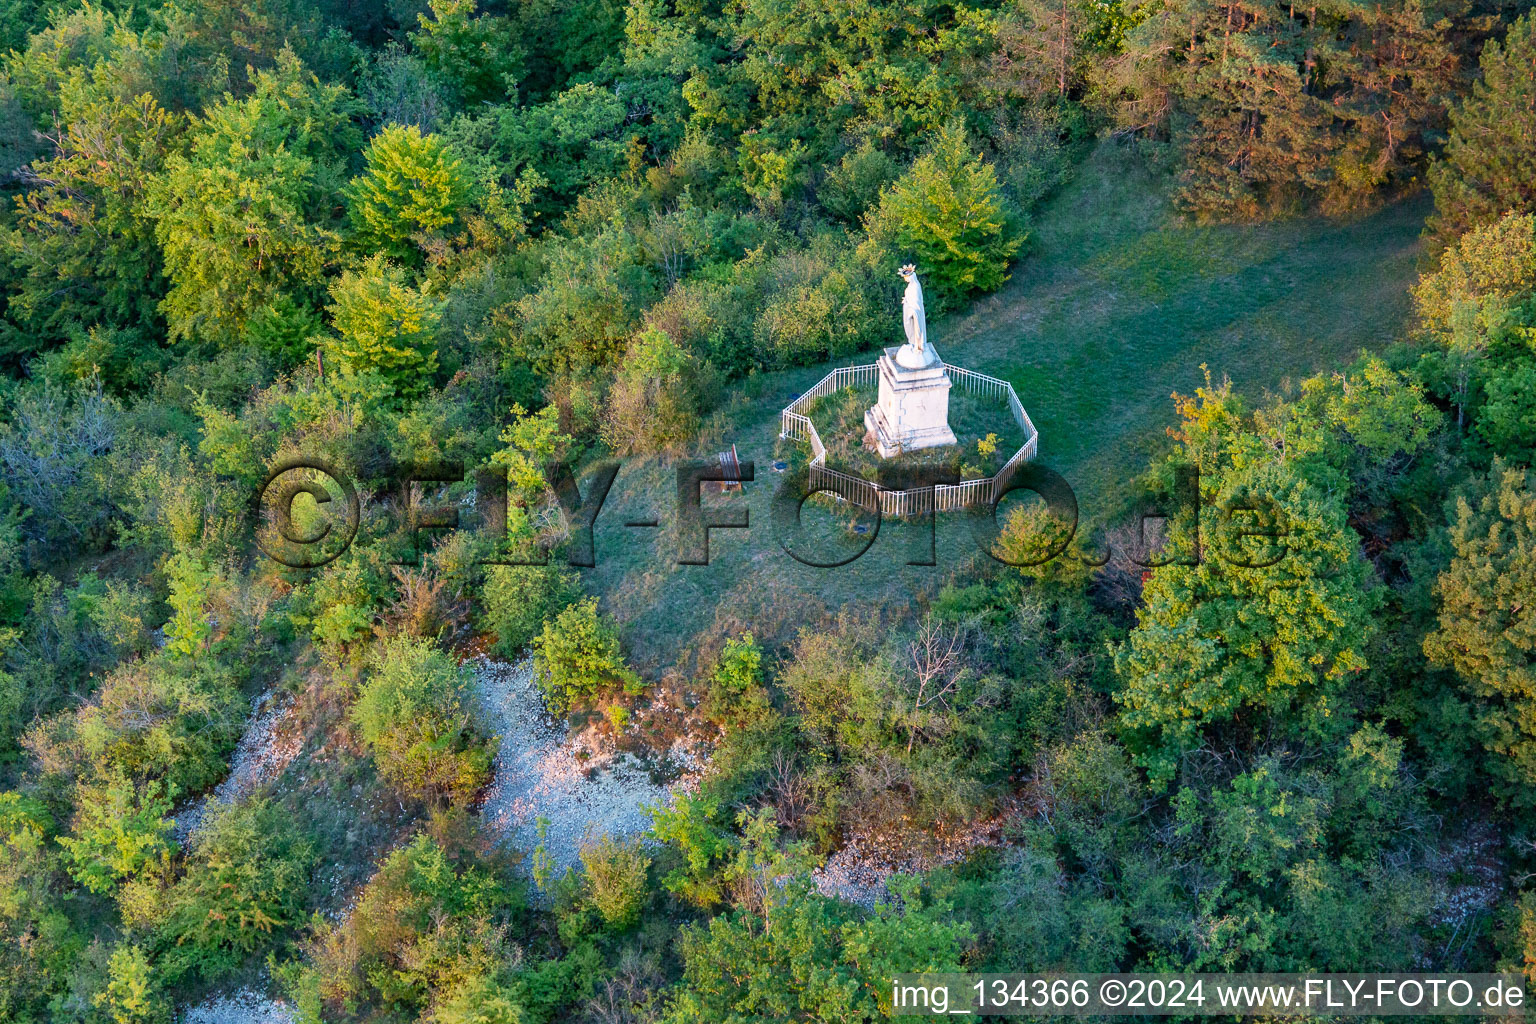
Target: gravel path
[260, 755]
[540, 771]
[246, 1006]
[857, 872]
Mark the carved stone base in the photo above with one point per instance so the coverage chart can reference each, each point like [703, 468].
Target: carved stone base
[913, 410]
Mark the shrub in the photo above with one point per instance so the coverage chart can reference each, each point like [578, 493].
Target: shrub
[653, 405]
[247, 884]
[854, 185]
[118, 832]
[132, 995]
[432, 923]
[578, 661]
[518, 599]
[414, 715]
[189, 629]
[616, 880]
[736, 691]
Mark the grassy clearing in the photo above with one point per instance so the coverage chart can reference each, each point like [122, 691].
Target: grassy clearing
[1118, 305]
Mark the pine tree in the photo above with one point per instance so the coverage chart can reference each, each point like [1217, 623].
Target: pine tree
[411, 191]
[1489, 165]
[1484, 633]
[947, 215]
[387, 326]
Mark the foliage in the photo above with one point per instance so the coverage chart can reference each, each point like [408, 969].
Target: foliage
[188, 630]
[1267, 627]
[795, 955]
[947, 213]
[1481, 633]
[411, 191]
[414, 712]
[736, 693]
[1489, 162]
[429, 932]
[118, 832]
[244, 218]
[616, 880]
[246, 888]
[654, 401]
[1262, 122]
[131, 995]
[519, 599]
[577, 660]
[387, 327]
[477, 57]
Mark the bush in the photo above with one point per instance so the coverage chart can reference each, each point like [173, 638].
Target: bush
[432, 924]
[616, 880]
[415, 716]
[577, 659]
[118, 832]
[653, 404]
[132, 995]
[736, 693]
[247, 884]
[854, 185]
[518, 599]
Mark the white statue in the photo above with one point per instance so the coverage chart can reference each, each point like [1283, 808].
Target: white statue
[916, 353]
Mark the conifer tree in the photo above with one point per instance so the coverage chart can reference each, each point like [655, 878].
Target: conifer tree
[1489, 165]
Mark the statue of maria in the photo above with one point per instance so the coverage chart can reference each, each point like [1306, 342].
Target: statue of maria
[916, 353]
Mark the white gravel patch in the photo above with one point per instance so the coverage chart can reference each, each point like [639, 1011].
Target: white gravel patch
[260, 755]
[543, 771]
[246, 1006]
[858, 872]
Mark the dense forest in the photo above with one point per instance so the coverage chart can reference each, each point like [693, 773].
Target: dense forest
[236, 233]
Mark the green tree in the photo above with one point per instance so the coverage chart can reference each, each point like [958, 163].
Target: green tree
[1273, 106]
[476, 57]
[247, 884]
[132, 995]
[1483, 633]
[948, 213]
[120, 829]
[416, 716]
[577, 659]
[411, 192]
[518, 600]
[387, 326]
[247, 216]
[1480, 305]
[786, 953]
[1488, 168]
[84, 242]
[616, 880]
[189, 628]
[1264, 631]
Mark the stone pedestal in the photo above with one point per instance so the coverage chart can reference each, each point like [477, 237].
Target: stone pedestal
[913, 411]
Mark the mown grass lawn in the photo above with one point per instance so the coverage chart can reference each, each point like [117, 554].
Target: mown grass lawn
[1117, 305]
